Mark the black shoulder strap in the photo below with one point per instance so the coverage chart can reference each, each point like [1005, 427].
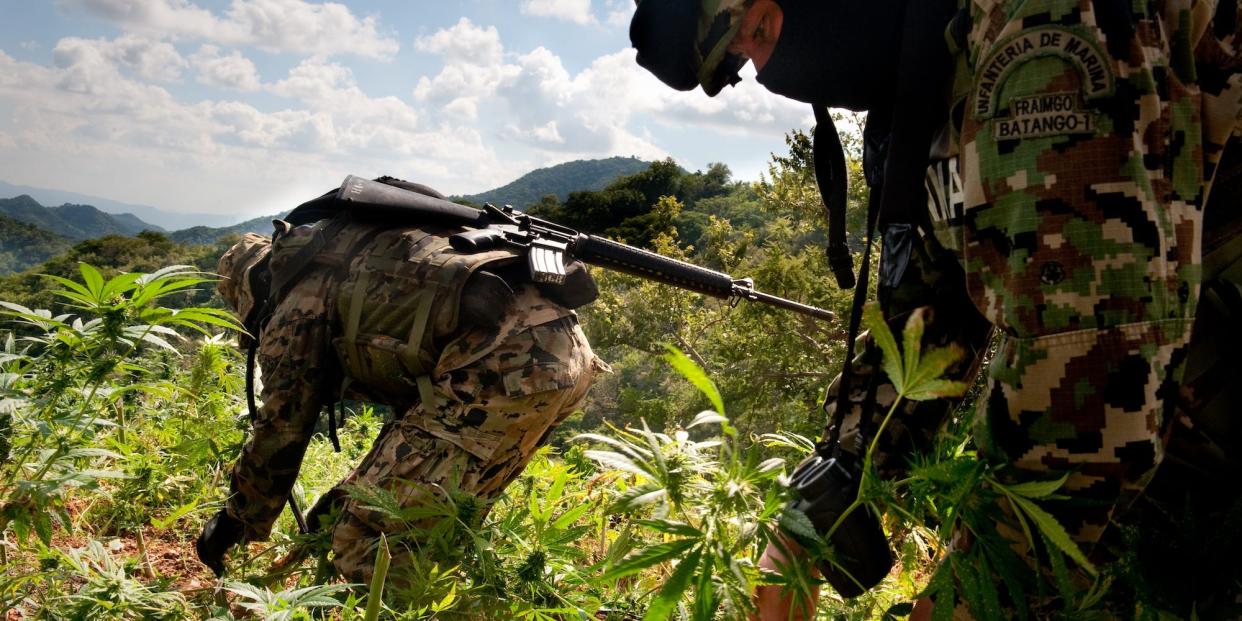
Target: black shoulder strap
[830, 176]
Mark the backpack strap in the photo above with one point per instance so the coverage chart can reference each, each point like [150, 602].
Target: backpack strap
[306, 255]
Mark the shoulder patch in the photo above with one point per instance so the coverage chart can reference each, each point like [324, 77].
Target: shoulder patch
[1082, 52]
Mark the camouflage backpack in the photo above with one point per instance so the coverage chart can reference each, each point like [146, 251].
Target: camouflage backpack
[398, 294]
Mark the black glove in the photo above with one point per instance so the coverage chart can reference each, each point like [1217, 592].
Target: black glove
[221, 533]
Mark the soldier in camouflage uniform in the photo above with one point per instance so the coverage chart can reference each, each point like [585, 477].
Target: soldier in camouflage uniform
[1066, 199]
[478, 367]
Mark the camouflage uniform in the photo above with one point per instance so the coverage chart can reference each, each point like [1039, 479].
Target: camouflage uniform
[378, 308]
[1087, 141]
[1066, 202]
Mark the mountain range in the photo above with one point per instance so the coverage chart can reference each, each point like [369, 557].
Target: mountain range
[162, 220]
[31, 232]
[76, 222]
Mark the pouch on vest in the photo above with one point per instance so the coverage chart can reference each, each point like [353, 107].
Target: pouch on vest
[398, 298]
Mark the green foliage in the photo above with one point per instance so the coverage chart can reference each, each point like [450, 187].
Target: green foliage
[24, 245]
[709, 505]
[770, 365]
[122, 407]
[964, 495]
[112, 255]
[289, 604]
[68, 382]
[107, 590]
[212, 236]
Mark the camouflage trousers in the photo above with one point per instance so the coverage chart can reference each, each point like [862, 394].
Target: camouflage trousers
[1088, 141]
[491, 418]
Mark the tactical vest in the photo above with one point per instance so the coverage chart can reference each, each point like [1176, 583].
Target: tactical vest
[397, 295]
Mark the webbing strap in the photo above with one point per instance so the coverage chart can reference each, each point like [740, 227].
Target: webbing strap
[299, 263]
[355, 312]
[875, 151]
[426, 392]
[856, 307]
[422, 314]
[251, 351]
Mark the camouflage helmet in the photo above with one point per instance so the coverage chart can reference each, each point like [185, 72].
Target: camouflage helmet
[242, 289]
[685, 42]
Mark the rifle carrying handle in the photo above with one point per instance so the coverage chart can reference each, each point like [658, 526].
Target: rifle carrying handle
[639, 262]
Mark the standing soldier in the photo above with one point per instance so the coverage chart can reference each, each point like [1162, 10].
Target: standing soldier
[1069, 146]
[477, 363]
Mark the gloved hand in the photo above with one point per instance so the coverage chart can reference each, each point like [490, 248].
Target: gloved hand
[221, 533]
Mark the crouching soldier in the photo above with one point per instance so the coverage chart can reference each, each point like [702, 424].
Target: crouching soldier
[478, 364]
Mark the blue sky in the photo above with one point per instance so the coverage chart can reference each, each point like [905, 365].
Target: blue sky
[248, 107]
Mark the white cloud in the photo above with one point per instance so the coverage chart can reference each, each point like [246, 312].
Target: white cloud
[619, 12]
[136, 142]
[473, 68]
[147, 58]
[543, 133]
[577, 11]
[227, 71]
[606, 109]
[295, 26]
[103, 109]
[464, 42]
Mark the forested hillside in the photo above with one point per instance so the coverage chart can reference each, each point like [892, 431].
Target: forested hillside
[112, 254]
[157, 219]
[558, 181]
[24, 245]
[72, 221]
[211, 235]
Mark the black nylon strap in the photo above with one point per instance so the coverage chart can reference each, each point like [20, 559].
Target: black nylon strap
[830, 176]
[860, 299]
[251, 351]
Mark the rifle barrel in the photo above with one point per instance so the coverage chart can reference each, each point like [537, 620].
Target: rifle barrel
[644, 264]
[638, 262]
[797, 307]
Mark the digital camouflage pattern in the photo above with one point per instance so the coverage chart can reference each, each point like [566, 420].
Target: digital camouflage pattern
[497, 389]
[1084, 248]
[1086, 148]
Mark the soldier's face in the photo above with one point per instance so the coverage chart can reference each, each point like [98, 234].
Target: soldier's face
[760, 29]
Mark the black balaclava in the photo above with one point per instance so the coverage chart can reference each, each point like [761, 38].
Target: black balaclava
[836, 53]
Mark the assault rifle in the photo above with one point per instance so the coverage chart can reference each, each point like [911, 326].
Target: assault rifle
[548, 245]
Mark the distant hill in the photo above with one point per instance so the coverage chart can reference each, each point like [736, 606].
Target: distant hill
[75, 222]
[151, 215]
[209, 235]
[24, 245]
[559, 180]
[72, 221]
